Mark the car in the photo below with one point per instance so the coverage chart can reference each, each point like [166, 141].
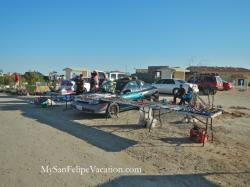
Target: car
[227, 85]
[171, 86]
[207, 82]
[122, 88]
[114, 75]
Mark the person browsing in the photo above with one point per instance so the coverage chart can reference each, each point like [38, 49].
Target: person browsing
[179, 94]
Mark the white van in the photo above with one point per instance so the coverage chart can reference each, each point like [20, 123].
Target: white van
[114, 75]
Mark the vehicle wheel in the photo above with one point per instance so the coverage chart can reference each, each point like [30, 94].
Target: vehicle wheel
[175, 90]
[113, 110]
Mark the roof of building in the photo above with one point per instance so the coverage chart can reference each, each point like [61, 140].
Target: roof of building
[75, 69]
[218, 69]
[157, 67]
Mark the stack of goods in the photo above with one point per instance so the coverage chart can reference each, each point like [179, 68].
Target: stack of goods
[147, 118]
[43, 101]
[68, 87]
[63, 98]
[200, 111]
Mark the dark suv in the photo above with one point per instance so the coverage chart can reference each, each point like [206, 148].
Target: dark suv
[207, 82]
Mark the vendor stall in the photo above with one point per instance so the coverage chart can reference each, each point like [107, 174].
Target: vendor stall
[152, 111]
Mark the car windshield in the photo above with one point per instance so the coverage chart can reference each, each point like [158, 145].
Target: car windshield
[181, 81]
[219, 79]
[108, 87]
[120, 76]
[113, 76]
[161, 81]
[119, 85]
[112, 86]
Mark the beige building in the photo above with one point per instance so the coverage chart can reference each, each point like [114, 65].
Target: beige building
[154, 73]
[166, 72]
[72, 72]
[179, 73]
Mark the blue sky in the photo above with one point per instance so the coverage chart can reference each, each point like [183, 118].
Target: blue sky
[48, 35]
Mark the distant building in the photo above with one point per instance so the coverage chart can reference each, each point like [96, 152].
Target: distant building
[141, 71]
[72, 72]
[233, 74]
[154, 73]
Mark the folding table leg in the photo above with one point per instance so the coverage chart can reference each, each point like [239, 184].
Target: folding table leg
[160, 117]
[203, 142]
[107, 111]
[211, 128]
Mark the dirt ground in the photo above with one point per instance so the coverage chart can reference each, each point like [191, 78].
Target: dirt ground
[32, 137]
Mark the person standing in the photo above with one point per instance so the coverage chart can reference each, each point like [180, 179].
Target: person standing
[94, 81]
[80, 85]
[17, 79]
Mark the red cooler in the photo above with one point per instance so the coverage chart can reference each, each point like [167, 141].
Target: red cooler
[198, 134]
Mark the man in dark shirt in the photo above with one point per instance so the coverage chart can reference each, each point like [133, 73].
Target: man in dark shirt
[181, 92]
[80, 85]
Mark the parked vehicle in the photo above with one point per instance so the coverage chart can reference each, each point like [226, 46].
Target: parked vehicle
[207, 82]
[171, 86]
[115, 75]
[227, 85]
[125, 89]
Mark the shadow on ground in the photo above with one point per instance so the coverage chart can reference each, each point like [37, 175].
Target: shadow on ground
[181, 180]
[121, 126]
[57, 118]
